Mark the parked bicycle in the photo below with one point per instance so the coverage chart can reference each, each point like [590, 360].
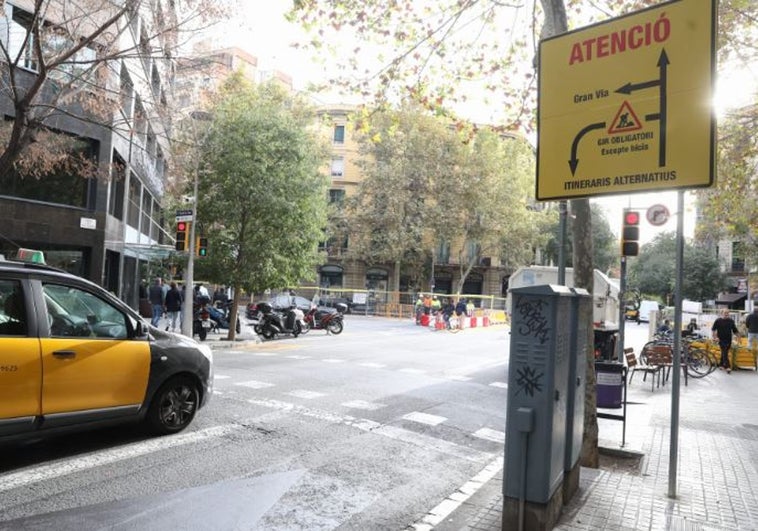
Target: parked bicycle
[693, 356]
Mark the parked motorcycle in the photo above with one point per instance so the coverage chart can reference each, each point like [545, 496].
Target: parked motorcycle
[329, 320]
[272, 323]
[221, 321]
[201, 321]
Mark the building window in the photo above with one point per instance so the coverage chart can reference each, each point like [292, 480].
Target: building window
[738, 257]
[62, 184]
[116, 199]
[140, 120]
[336, 197]
[135, 191]
[442, 253]
[147, 202]
[338, 167]
[330, 276]
[151, 143]
[16, 37]
[473, 250]
[155, 226]
[339, 134]
[127, 92]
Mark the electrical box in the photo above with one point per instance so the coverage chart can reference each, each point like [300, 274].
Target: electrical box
[538, 375]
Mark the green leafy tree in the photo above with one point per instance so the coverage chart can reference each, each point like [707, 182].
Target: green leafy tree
[487, 205]
[404, 157]
[262, 199]
[428, 183]
[605, 244]
[653, 271]
[729, 210]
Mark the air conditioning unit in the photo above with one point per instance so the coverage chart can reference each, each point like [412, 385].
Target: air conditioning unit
[486, 261]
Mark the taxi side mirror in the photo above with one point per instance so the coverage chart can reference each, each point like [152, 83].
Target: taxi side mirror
[141, 330]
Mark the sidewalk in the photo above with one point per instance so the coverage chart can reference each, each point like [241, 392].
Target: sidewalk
[717, 478]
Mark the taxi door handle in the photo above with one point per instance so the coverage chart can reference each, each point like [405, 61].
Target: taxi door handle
[64, 354]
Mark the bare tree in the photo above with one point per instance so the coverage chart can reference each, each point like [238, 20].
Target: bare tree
[64, 60]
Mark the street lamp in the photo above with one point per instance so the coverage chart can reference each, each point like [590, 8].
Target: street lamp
[189, 274]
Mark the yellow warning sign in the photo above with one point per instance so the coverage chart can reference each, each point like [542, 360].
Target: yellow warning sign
[626, 120]
[625, 105]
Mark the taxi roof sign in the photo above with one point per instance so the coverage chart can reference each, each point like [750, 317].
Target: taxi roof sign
[625, 105]
[30, 255]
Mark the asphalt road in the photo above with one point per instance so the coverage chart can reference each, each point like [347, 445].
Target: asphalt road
[371, 429]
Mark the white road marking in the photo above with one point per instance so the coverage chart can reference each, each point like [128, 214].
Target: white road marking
[458, 378]
[419, 440]
[255, 384]
[373, 365]
[425, 418]
[411, 370]
[262, 354]
[501, 385]
[62, 468]
[456, 499]
[490, 435]
[302, 393]
[298, 357]
[333, 360]
[362, 404]
[221, 376]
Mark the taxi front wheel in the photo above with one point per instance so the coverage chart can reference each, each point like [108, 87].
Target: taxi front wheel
[173, 406]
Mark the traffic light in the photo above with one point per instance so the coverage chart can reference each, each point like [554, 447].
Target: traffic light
[630, 233]
[202, 246]
[182, 235]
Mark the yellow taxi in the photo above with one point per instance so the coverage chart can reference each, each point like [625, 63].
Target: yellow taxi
[73, 356]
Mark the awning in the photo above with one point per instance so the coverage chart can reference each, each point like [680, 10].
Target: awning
[142, 251]
[730, 298]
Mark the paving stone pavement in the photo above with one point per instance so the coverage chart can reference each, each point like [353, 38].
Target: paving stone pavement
[717, 473]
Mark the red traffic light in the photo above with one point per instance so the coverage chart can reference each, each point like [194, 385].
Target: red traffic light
[181, 226]
[631, 217]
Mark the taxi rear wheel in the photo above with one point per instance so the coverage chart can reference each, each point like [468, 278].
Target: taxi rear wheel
[173, 406]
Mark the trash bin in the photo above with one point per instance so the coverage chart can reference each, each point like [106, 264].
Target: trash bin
[610, 384]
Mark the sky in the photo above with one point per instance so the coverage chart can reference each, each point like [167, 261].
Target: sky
[265, 33]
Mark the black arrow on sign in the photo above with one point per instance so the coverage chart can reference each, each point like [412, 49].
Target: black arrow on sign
[574, 162]
[663, 62]
[631, 87]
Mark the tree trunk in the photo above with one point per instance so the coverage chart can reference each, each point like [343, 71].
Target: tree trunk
[233, 313]
[555, 24]
[584, 278]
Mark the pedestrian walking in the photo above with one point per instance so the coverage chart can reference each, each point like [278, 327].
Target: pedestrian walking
[157, 300]
[173, 307]
[460, 311]
[722, 329]
[751, 322]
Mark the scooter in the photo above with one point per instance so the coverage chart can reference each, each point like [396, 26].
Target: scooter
[272, 323]
[331, 321]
